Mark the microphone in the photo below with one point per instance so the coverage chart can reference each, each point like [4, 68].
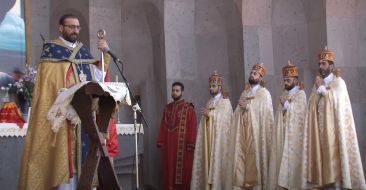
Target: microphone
[101, 34]
[115, 58]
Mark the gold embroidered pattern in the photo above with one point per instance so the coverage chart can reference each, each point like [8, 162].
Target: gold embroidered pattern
[180, 149]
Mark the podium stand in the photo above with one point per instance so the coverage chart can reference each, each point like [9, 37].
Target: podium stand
[97, 165]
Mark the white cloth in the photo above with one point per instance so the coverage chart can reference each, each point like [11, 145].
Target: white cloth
[68, 186]
[286, 105]
[98, 76]
[327, 80]
[321, 89]
[216, 97]
[291, 92]
[62, 109]
[13, 130]
[255, 88]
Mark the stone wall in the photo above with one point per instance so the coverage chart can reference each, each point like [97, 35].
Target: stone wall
[346, 26]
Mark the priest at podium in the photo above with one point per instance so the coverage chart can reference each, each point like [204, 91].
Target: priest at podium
[53, 160]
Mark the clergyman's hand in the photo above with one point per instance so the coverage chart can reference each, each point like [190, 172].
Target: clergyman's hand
[282, 100]
[243, 104]
[319, 81]
[102, 45]
[204, 111]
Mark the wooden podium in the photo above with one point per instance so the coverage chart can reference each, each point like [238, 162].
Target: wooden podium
[97, 165]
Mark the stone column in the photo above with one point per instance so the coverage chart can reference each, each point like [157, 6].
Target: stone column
[346, 28]
[180, 49]
[257, 37]
[106, 15]
[143, 52]
[39, 19]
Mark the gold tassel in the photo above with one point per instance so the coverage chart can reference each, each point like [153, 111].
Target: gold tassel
[116, 108]
[54, 140]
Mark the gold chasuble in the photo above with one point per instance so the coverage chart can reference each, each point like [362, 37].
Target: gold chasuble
[210, 155]
[253, 127]
[287, 142]
[46, 155]
[331, 154]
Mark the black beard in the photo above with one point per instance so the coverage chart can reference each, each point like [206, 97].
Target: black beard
[213, 94]
[253, 81]
[177, 98]
[288, 88]
[324, 73]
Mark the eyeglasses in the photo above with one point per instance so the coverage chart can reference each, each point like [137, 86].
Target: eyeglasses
[73, 27]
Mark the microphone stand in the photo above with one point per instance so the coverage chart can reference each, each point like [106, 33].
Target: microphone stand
[136, 109]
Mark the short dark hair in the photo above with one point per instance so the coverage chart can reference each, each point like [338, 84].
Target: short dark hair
[66, 16]
[178, 84]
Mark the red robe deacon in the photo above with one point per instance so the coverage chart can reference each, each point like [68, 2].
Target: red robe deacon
[177, 138]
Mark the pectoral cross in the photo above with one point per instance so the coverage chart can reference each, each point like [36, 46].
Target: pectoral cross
[82, 76]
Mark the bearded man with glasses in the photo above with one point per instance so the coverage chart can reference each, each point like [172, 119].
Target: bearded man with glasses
[53, 160]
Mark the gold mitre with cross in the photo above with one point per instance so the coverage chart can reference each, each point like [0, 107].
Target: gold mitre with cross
[260, 68]
[215, 78]
[290, 70]
[326, 55]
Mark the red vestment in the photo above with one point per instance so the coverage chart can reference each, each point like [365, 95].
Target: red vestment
[177, 138]
[112, 141]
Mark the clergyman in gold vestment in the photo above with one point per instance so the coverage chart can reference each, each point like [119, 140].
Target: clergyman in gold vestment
[48, 158]
[210, 155]
[287, 135]
[253, 123]
[331, 154]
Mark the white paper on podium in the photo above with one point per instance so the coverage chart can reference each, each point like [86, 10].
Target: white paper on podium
[62, 109]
